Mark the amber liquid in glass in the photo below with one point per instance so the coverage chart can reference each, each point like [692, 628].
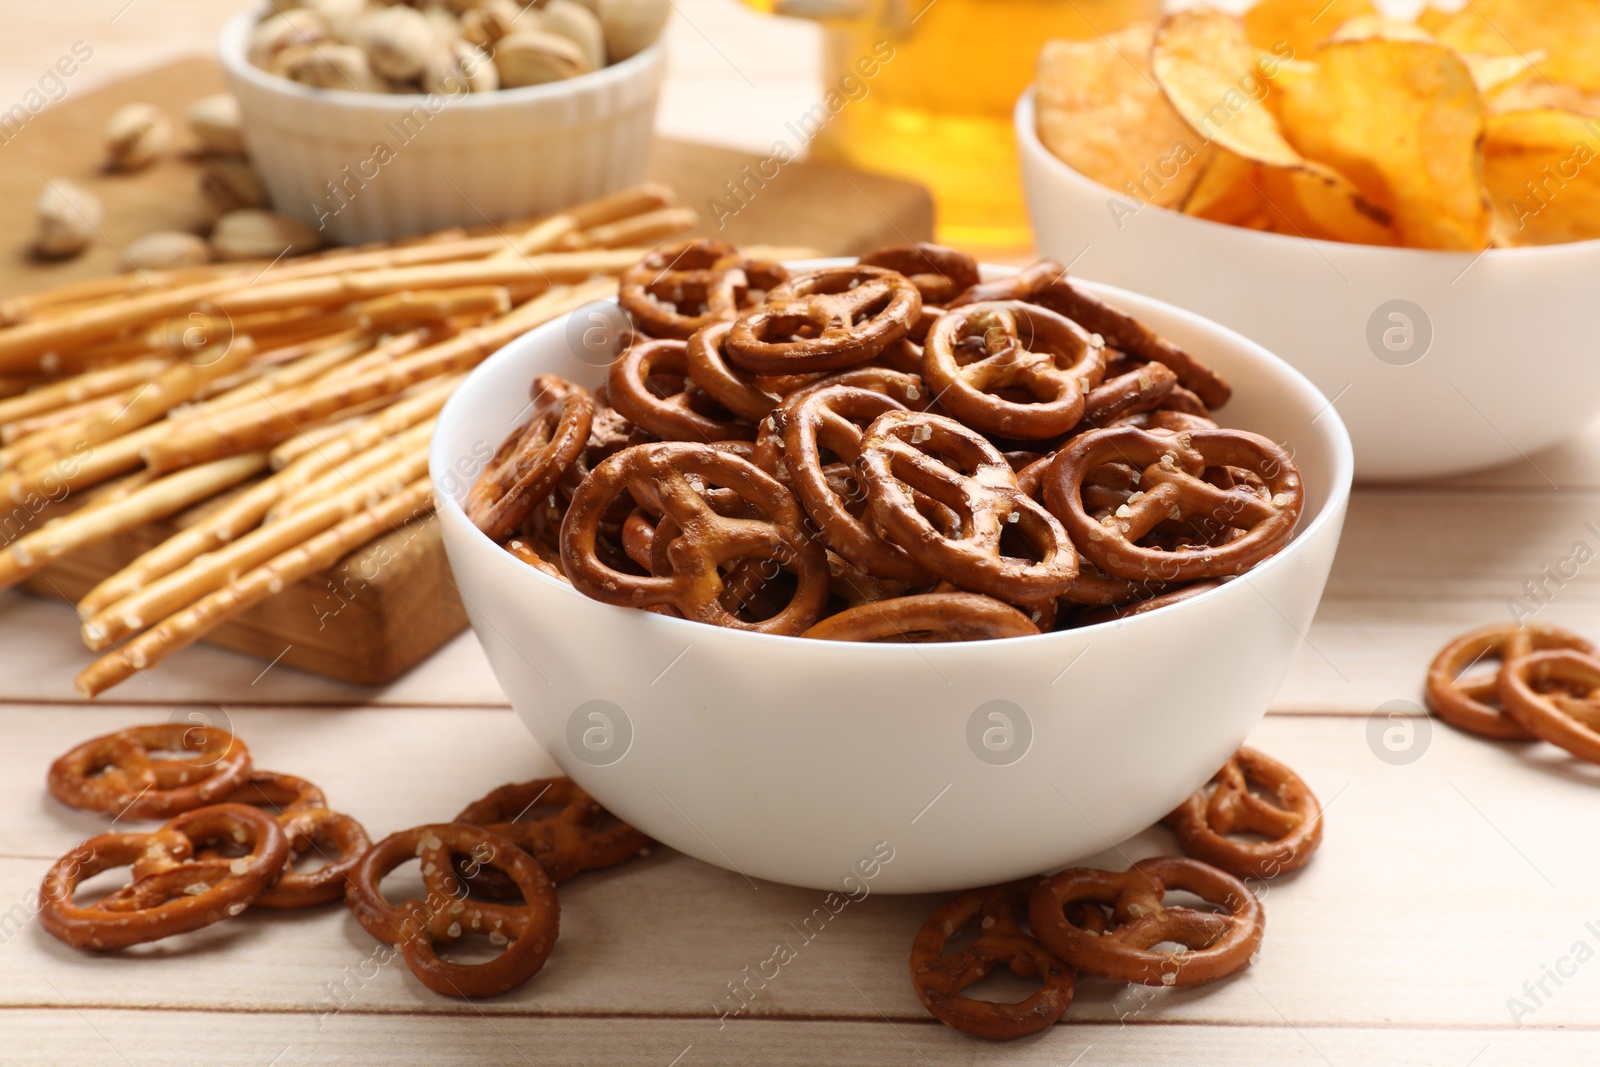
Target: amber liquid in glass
[939, 111]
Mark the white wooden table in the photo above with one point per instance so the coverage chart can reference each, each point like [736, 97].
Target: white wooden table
[1447, 886]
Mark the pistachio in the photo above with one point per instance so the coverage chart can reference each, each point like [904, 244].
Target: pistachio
[255, 234]
[462, 68]
[534, 57]
[399, 41]
[342, 17]
[214, 120]
[491, 21]
[67, 217]
[299, 26]
[167, 250]
[577, 24]
[287, 62]
[631, 26]
[446, 28]
[135, 136]
[333, 66]
[229, 183]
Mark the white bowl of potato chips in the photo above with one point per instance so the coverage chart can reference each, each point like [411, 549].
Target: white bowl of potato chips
[1407, 212]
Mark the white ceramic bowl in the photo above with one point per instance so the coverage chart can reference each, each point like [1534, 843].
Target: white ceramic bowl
[794, 759]
[445, 160]
[1440, 362]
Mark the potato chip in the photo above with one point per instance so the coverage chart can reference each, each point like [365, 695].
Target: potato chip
[1567, 31]
[1542, 170]
[1490, 73]
[1217, 81]
[1323, 205]
[1294, 28]
[1531, 91]
[1403, 120]
[1101, 112]
[1363, 26]
[1229, 191]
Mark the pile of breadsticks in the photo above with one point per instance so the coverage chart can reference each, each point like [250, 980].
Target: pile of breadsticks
[302, 391]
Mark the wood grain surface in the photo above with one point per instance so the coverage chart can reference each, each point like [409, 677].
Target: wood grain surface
[1447, 887]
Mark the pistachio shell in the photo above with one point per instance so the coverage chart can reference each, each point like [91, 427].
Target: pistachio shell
[335, 66]
[229, 183]
[272, 35]
[214, 120]
[342, 17]
[533, 57]
[166, 250]
[255, 234]
[462, 68]
[67, 217]
[492, 20]
[398, 41]
[446, 27]
[136, 135]
[631, 26]
[577, 24]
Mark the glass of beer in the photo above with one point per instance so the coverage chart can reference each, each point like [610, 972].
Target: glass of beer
[925, 90]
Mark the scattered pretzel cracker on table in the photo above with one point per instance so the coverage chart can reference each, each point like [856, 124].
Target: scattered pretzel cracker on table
[234, 835]
[303, 390]
[1545, 686]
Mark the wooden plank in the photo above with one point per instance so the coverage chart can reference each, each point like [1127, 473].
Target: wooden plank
[370, 618]
[1441, 887]
[43, 635]
[117, 1038]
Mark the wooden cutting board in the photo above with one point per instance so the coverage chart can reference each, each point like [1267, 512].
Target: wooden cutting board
[388, 606]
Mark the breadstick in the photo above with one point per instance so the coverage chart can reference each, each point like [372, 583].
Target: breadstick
[76, 295]
[22, 308]
[358, 434]
[345, 472]
[83, 387]
[262, 425]
[234, 519]
[151, 401]
[316, 451]
[549, 268]
[115, 489]
[552, 232]
[343, 348]
[381, 257]
[647, 196]
[25, 346]
[385, 352]
[309, 439]
[312, 557]
[640, 230]
[86, 466]
[33, 552]
[15, 386]
[543, 236]
[17, 430]
[182, 587]
[431, 305]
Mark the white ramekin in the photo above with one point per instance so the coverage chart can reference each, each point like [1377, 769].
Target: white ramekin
[371, 167]
[1440, 362]
[797, 760]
